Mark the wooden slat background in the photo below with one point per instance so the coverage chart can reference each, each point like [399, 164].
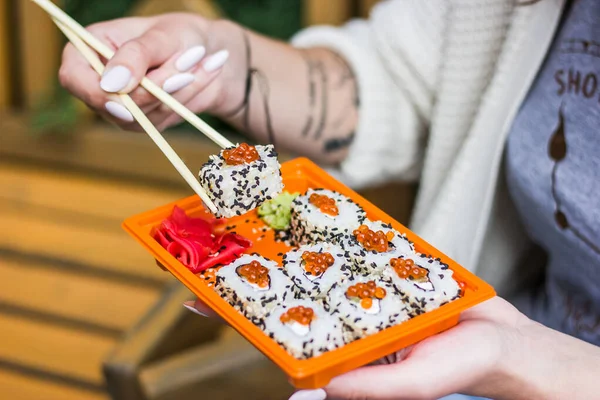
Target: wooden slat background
[16, 386]
[46, 346]
[39, 50]
[5, 86]
[332, 12]
[74, 296]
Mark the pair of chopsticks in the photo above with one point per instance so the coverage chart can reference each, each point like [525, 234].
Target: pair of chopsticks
[83, 40]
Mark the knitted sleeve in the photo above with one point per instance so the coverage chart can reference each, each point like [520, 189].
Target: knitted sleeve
[396, 69]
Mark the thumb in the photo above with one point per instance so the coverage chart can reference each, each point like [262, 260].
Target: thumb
[134, 58]
[373, 383]
[381, 382]
[409, 379]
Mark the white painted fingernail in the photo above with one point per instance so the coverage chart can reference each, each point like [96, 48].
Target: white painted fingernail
[115, 79]
[192, 309]
[190, 58]
[216, 61]
[178, 82]
[118, 111]
[318, 394]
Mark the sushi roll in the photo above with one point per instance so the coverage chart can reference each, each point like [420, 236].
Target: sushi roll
[373, 244]
[426, 283]
[324, 215]
[253, 285]
[314, 269]
[367, 305]
[304, 328]
[241, 178]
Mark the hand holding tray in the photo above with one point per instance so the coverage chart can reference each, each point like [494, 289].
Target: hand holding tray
[298, 176]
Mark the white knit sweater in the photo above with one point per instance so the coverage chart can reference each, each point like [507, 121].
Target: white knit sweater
[440, 82]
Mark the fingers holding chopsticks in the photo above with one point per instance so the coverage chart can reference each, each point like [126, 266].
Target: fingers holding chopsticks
[168, 50]
[201, 91]
[181, 83]
[78, 76]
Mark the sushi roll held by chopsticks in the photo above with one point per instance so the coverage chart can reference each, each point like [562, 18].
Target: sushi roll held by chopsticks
[241, 178]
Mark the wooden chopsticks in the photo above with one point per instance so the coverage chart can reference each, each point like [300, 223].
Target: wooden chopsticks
[83, 40]
[59, 15]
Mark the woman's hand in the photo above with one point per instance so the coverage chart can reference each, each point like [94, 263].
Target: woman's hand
[494, 351]
[303, 100]
[469, 358]
[185, 54]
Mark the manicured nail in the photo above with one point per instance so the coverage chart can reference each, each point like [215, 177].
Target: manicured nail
[190, 58]
[193, 309]
[115, 79]
[178, 82]
[216, 61]
[119, 111]
[318, 394]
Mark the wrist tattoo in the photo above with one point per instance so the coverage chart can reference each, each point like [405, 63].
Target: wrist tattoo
[248, 81]
[329, 78]
[324, 100]
[314, 68]
[311, 93]
[265, 91]
[335, 144]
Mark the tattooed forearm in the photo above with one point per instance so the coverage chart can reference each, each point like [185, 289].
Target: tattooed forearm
[347, 76]
[306, 100]
[253, 73]
[248, 81]
[342, 86]
[311, 94]
[324, 101]
[265, 92]
[335, 144]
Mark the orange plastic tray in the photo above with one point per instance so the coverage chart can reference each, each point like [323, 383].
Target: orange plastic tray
[298, 176]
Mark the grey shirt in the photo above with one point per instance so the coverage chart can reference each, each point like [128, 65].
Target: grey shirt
[553, 173]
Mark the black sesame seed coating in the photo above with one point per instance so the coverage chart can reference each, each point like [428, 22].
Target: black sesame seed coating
[238, 197]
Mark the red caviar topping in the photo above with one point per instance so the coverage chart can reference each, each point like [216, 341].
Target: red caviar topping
[243, 154]
[255, 273]
[324, 203]
[406, 268]
[370, 240]
[302, 315]
[366, 303]
[317, 263]
[366, 292]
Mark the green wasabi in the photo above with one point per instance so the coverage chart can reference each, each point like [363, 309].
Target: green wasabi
[277, 212]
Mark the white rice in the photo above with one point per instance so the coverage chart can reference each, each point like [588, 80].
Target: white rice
[237, 189]
[361, 322]
[310, 225]
[315, 287]
[432, 292]
[323, 334]
[245, 297]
